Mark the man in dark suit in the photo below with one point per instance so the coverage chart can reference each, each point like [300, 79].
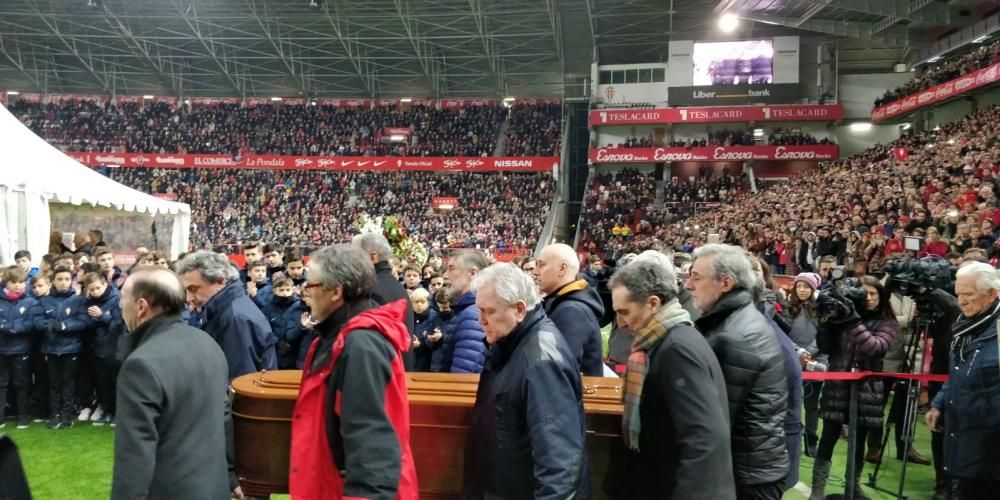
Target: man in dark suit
[170, 438]
[387, 288]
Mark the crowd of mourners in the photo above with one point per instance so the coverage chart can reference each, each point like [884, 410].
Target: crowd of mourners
[297, 207]
[779, 137]
[295, 130]
[944, 71]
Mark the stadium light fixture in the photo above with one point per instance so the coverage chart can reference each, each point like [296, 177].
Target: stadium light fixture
[147, 97]
[187, 101]
[981, 39]
[728, 22]
[94, 4]
[314, 4]
[758, 132]
[934, 59]
[508, 99]
[12, 92]
[406, 99]
[275, 99]
[907, 126]
[861, 126]
[397, 138]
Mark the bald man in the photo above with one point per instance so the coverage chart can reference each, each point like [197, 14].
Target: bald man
[572, 304]
[172, 404]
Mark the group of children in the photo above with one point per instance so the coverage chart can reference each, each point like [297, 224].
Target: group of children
[61, 341]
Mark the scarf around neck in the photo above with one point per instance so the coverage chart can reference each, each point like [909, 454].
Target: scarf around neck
[965, 328]
[645, 339]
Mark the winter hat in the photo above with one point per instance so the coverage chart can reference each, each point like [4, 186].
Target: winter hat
[811, 279]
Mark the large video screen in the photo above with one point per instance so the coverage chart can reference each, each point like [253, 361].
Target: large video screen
[733, 63]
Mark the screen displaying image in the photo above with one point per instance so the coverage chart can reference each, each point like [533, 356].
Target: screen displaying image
[733, 63]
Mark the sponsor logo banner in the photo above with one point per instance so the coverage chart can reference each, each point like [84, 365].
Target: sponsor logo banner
[57, 98]
[444, 202]
[721, 95]
[396, 131]
[213, 101]
[714, 153]
[720, 114]
[461, 103]
[458, 164]
[345, 103]
[947, 90]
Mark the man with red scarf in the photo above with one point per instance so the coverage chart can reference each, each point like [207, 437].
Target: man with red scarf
[351, 424]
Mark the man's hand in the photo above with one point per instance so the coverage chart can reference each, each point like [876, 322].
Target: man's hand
[238, 493]
[94, 312]
[416, 341]
[436, 336]
[251, 289]
[932, 417]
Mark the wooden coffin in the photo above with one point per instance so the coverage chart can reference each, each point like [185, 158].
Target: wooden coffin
[440, 408]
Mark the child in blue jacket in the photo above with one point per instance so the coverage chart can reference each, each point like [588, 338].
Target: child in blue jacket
[284, 311]
[64, 323]
[18, 314]
[258, 285]
[105, 315]
[427, 330]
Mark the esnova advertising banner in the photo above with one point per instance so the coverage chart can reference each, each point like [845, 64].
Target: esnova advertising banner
[716, 153]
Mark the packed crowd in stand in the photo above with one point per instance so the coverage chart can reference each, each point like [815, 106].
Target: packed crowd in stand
[727, 138]
[620, 208]
[296, 207]
[944, 71]
[534, 130]
[293, 129]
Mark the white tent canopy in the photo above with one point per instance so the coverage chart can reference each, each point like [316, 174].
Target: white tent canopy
[35, 175]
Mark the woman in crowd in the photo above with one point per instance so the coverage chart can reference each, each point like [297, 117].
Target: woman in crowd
[802, 310]
[856, 337]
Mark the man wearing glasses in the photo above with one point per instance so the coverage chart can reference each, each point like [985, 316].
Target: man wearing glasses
[350, 429]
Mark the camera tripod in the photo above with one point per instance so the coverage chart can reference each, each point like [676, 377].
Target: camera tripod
[909, 413]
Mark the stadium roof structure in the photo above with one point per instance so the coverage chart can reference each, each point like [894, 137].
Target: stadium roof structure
[409, 48]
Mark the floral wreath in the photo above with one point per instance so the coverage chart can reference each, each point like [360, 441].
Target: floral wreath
[407, 249]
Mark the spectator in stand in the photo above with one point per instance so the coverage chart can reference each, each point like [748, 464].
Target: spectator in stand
[464, 347]
[573, 305]
[230, 317]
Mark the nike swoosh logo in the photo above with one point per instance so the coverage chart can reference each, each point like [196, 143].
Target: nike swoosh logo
[379, 163]
[363, 163]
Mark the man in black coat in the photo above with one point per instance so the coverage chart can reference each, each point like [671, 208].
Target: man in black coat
[171, 404]
[387, 288]
[574, 306]
[678, 434]
[527, 435]
[753, 363]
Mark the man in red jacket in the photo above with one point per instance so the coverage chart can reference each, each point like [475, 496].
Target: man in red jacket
[351, 425]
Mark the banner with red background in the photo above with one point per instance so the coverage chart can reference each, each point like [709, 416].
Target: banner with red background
[444, 202]
[943, 92]
[387, 163]
[718, 114]
[714, 153]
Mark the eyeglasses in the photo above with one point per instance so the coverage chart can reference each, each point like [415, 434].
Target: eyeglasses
[310, 286]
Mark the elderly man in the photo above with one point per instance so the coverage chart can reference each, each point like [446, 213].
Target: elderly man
[171, 403]
[722, 283]
[573, 305]
[387, 287]
[676, 418]
[527, 435]
[969, 402]
[213, 286]
[351, 431]
[464, 346]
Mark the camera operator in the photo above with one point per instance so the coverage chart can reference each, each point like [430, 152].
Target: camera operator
[858, 328]
[969, 401]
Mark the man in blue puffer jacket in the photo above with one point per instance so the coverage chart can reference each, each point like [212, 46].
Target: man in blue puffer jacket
[18, 312]
[105, 316]
[64, 324]
[465, 342]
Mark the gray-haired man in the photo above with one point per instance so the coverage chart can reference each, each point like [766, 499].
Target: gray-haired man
[527, 434]
[676, 419]
[213, 285]
[753, 363]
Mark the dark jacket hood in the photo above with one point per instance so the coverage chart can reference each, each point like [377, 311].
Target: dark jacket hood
[577, 291]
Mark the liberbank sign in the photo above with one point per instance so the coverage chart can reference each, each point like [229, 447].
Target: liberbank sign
[723, 95]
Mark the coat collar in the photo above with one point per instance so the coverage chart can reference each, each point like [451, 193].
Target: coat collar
[153, 327]
[501, 352]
